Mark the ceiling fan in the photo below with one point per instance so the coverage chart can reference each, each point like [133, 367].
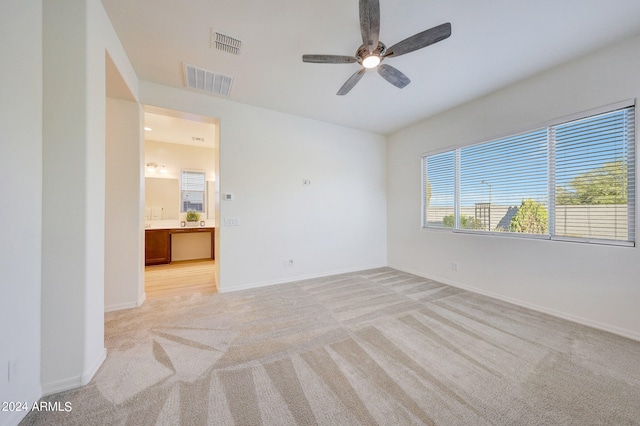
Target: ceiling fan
[372, 51]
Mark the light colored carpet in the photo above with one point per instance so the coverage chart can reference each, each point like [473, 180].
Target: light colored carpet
[374, 347]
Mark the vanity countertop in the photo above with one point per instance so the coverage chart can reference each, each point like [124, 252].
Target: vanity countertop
[175, 224]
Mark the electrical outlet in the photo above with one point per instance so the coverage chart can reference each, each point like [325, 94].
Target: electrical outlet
[13, 370]
[455, 266]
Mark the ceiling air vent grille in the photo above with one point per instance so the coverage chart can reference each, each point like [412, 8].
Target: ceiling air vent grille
[225, 43]
[207, 81]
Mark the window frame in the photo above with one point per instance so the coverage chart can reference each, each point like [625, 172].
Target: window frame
[632, 202]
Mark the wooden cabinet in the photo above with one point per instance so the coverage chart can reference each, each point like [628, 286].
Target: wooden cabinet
[158, 243]
[157, 246]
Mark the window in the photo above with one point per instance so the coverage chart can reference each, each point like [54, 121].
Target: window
[595, 177]
[439, 190]
[572, 181]
[192, 191]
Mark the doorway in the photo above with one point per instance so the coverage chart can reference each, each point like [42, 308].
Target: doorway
[181, 202]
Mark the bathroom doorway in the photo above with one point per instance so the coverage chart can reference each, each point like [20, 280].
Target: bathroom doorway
[180, 202]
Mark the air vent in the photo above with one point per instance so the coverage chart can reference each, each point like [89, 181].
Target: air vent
[225, 43]
[207, 81]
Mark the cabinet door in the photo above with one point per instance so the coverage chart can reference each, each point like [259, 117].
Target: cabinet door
[157, 246]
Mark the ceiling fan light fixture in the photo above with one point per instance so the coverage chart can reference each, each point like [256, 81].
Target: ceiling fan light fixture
[371, 61]
[370, 57]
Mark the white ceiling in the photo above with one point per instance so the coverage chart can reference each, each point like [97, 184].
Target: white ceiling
[493, 44]
[163, 126]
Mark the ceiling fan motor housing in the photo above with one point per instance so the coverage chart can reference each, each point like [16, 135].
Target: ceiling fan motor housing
[363, 52]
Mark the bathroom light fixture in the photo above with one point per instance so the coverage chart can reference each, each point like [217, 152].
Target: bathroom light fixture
[155, 168]
[148, 129]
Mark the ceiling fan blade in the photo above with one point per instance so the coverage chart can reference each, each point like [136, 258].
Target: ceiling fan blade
[370, 23]
[348, 85]
[393, 76]
[420, 40]
[329, 59]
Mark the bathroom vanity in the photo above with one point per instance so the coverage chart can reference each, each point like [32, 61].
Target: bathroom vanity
[158, 243]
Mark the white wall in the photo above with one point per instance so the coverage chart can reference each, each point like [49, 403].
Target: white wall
[593, 284]
[21, 206]
[76, 36]
[335, 224]
[124, 243]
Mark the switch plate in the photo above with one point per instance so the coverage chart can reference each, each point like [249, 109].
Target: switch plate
[231, 221]
[228, 197]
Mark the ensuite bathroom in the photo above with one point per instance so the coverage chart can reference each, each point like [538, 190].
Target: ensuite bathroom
[180, 198]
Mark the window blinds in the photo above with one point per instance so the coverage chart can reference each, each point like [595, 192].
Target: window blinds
[570, 181]
[595, 177]
[192, 190]
[496, 177]
[192, 181]
[438, 177]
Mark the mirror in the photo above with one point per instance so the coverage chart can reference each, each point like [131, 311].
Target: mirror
[162, 199]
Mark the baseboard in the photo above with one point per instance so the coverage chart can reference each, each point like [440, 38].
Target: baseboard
[230, 289]
[128, 305]
[88, 374]
[559, 314]
[121, 306]
[13, 418]
[74, 382]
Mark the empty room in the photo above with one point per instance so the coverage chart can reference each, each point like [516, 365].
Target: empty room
[400, 211]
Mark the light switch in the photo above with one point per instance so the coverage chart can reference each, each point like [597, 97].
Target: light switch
[231, 221]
